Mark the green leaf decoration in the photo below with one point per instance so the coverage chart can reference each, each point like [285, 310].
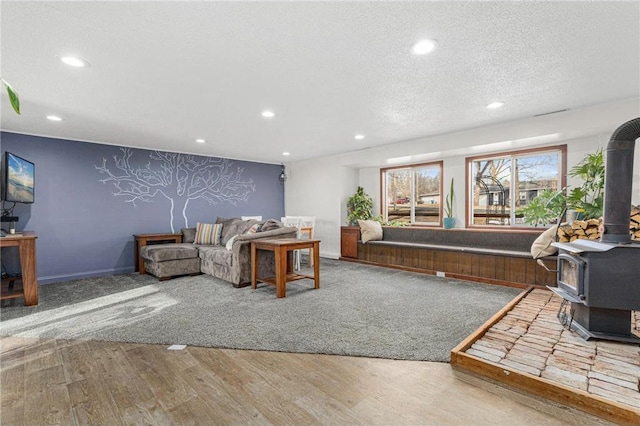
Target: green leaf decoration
[13, 98]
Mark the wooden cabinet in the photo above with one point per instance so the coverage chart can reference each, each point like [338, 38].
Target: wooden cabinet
[25, 242]
[349, 236]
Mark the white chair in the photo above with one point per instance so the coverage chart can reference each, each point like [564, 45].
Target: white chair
[307, 223]
[251, 217]
[294, 222]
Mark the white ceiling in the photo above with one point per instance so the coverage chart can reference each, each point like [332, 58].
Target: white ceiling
[165, 73]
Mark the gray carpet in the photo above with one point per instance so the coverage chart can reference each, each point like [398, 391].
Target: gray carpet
[359, 310]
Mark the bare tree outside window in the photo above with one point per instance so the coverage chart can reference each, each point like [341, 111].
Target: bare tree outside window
[504, 183]
[412, 193]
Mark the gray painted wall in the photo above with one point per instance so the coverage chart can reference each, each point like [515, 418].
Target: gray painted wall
[91, 198]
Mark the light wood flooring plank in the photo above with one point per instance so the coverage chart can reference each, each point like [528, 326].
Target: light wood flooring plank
[71, 382]
[46, 397]
[12, 394]
[167, 384]
[78, 362]
[134, 398]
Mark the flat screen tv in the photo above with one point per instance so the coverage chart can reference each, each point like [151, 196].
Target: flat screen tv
[18, 179]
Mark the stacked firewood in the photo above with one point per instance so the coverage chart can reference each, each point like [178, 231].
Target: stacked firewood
[589, 229]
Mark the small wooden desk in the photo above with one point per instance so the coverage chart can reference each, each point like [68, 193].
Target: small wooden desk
[26, 243]
[284, 269]
[141, 240]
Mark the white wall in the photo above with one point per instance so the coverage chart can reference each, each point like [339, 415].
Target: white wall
[337, 177]
[321, 188]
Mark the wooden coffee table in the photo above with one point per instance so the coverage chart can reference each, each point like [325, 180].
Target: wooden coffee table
[284, 268]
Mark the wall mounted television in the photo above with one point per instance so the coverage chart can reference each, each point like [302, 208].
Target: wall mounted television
[18, 179]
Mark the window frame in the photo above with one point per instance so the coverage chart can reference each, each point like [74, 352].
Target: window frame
[411, 167]
[562, 181]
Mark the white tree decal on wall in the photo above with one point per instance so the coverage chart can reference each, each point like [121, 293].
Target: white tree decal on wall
[179, 178]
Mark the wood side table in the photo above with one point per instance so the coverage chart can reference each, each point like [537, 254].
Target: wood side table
[141, 240]
[284, 269]
[26, 243]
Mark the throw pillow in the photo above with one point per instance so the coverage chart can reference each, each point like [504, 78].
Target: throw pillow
[230, 242]
[188, 235]
[271, 224]
[542, 247]
[229, 228]
[254, 228]
[370, 230]
[208, 234]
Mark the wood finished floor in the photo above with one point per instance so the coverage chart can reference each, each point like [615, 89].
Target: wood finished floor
[105, 383]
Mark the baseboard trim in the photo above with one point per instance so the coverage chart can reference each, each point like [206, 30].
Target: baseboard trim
[49, 279]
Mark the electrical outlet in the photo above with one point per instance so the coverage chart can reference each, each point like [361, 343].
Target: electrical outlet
[440, 274]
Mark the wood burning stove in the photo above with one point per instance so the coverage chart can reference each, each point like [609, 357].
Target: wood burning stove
[601, 279]
[602, 283]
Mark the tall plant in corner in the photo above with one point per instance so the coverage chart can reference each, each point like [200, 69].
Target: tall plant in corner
[13, 96]
[449, 221]
[588, 198]
[359, 206]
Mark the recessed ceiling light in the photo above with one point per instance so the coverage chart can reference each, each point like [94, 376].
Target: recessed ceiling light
[424, 46]
[200, 140]
[53, 118]
[268, 114]
[358, 137]
[495, 105]
[285, 153]
[74, 61]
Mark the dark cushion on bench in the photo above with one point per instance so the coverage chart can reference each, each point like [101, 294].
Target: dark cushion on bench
[462, 249]
[514, 243]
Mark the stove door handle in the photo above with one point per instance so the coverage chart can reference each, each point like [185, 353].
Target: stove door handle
[541, 263]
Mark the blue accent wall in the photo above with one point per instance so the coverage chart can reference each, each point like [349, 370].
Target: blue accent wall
[91, 198]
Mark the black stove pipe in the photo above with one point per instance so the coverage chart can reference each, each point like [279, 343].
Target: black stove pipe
[618, 182]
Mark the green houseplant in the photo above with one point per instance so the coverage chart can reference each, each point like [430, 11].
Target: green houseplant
[449, 221]
[587, 199]
[546, 208]
[359, 206]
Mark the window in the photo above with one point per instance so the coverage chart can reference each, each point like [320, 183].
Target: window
[502, 184]
[412, 194]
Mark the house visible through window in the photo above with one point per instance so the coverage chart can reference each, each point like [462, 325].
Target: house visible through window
[502, 184]
[412, 194]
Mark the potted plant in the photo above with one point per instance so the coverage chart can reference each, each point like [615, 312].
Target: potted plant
[548, 207]
[586, 200]
[449, 221]
[359, 206]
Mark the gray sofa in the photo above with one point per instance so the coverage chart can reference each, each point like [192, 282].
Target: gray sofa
[168, 260]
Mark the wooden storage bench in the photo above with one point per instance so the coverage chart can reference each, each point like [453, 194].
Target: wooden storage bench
[496, 257]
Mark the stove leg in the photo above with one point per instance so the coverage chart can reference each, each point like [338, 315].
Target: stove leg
[602, 323]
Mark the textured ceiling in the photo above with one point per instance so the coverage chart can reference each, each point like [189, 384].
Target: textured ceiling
[165, 73]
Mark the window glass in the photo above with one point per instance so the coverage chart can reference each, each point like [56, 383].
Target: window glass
[427, 194]
[412, 194]
[502, 184]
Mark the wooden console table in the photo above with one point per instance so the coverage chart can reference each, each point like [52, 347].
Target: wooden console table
[141, 240]
[26, 243]
[284, 269]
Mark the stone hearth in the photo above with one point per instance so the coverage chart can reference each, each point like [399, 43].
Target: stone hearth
[526, 346]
